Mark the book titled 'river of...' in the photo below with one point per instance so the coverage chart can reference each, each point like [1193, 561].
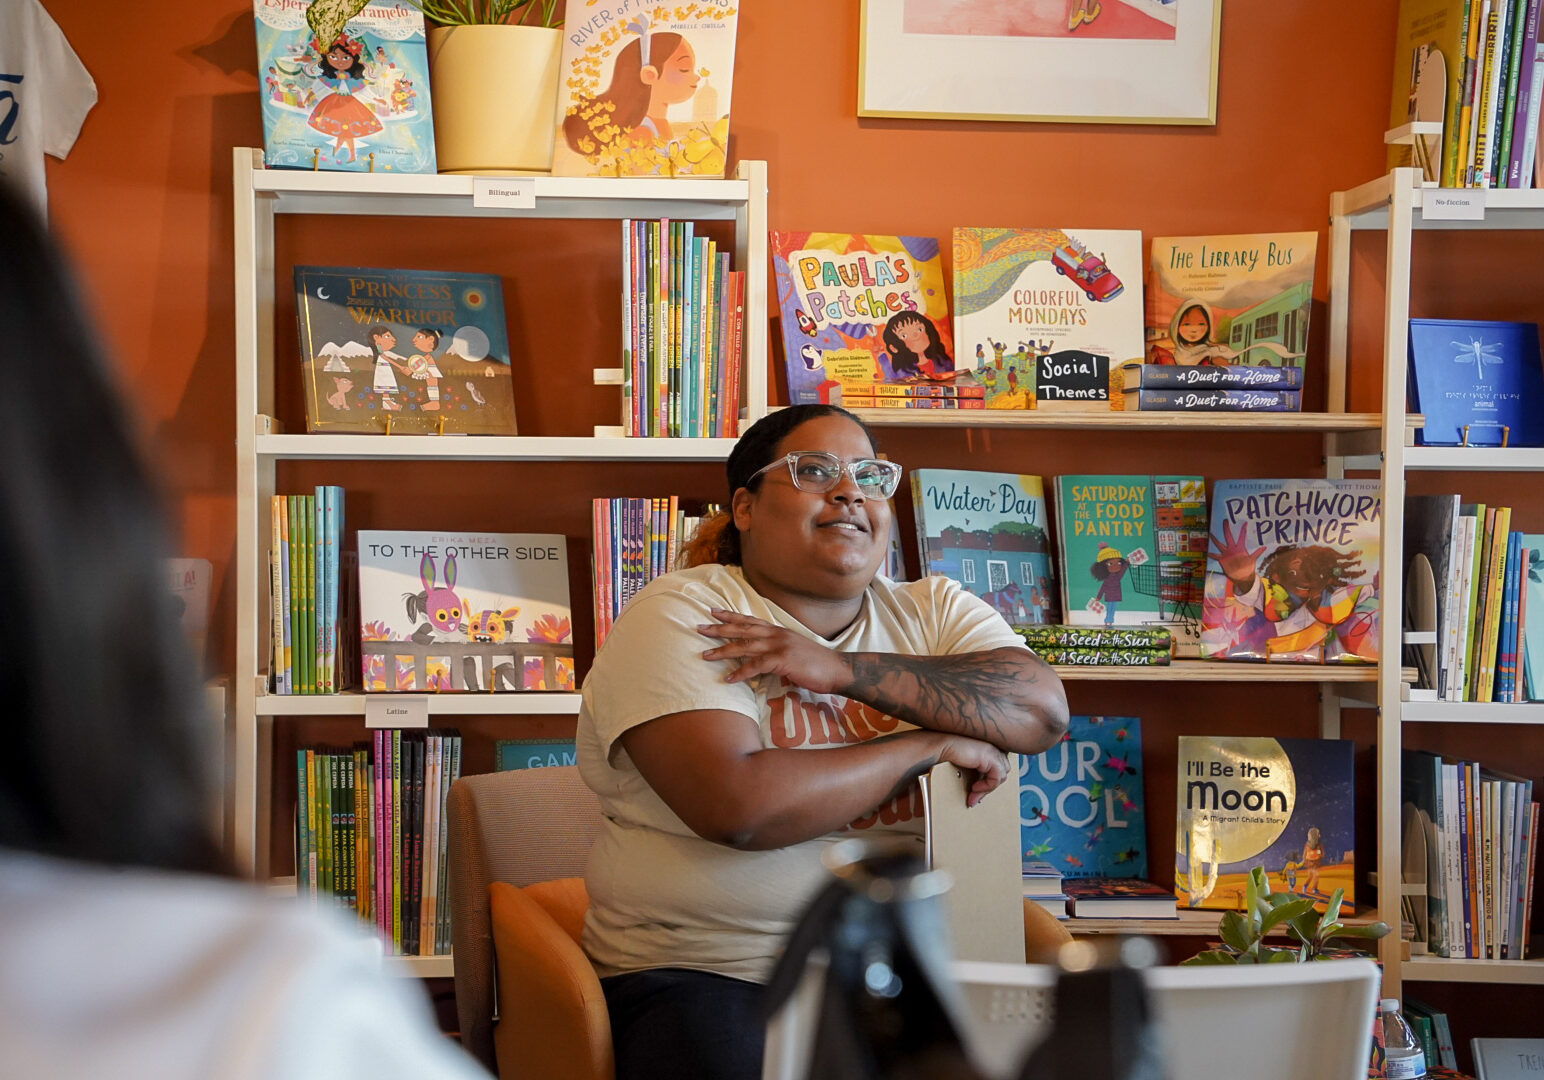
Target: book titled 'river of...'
[860, 310]
[1080, 802]
[643, 88]
[464, 611]
[1230, 299]
[1285, 805]
[989, 532]
[1131, 550]
[352, 97]
[1044, 318]
[1292, 571]
[426, 349]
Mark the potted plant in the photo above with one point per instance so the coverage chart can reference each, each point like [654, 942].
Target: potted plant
[1243, 932]
[493, 73]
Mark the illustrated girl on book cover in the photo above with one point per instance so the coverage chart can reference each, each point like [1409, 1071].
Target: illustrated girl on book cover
[340, 115]
[657, 111]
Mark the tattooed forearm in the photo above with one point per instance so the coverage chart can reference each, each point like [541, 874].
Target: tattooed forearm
[1007, 697]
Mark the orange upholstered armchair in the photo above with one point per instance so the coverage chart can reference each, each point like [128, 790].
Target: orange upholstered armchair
[518, 842]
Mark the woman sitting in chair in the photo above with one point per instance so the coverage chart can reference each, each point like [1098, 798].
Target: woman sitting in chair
[781, 638]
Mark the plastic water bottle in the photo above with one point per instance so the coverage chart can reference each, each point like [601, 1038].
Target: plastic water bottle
[1403, 1058]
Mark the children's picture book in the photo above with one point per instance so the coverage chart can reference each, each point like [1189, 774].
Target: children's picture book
[1044, 318]
[464, 611]
[1477, 383]
[425, 350]
[1242, 300]
[1507, 1059]
[352, 97]
[989, 532]
[1132, 551]
[1292, 571]
[860, 311]
[1119, 898]
[531, 753]
[1041, 878]
[1211, 377]
[1532, 615]
[1286, 805]
[1080, 802]
[1214, 400]
[644, 88]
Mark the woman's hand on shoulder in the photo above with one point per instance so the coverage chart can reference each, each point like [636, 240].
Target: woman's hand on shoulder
[762, 648]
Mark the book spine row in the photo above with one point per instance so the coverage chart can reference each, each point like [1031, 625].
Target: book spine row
[306, 566]
[1113, 637]
[370, 833]
[1483, 836]
[1481, 652]
[683, 332]
[634, 541]
[1494, 123]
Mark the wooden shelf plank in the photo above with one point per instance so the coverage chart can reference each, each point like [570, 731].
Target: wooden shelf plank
[422, 967]
[1191, 923]
[1440, 969]
[1223, 671]
[1260, 423]
[1473, 712]
[1475, 458]
[353, 704]
[486, 448]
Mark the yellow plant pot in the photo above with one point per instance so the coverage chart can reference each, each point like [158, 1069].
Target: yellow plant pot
[495, 92]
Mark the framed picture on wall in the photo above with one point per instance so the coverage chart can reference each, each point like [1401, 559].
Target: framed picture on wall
[1060, 61]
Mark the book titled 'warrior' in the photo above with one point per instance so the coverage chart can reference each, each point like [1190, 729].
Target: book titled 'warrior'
[1292, 571]
[1285, 805]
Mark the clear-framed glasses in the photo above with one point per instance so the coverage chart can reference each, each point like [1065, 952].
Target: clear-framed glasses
[818, 472]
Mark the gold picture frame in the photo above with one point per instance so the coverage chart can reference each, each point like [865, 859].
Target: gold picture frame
[1049, 61]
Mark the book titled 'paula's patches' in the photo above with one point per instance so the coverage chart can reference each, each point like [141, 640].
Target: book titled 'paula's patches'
[1284, 805]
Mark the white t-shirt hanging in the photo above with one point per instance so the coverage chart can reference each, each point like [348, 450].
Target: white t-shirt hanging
[45, 94]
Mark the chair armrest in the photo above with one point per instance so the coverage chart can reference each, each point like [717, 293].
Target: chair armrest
[552, 1015]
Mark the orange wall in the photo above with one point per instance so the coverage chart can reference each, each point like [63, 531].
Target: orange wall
[144, 205]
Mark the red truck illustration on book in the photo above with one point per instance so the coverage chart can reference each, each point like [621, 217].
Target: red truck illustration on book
[1088, 270]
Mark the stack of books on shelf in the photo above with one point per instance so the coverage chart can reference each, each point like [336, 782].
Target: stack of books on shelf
[307, 569]
[683, 332]
[1043, 887]
[1119, 898]
[1100, 646]
[1431, 1027]
[635, 540]
[370, 833]
[1470, 66]
[1471, 837]
[1470, 580]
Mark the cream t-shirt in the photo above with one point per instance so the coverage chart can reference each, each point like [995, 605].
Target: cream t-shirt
[660, 895]
[45, 94]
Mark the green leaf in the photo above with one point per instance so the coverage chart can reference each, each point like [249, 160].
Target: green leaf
[1305, 926]
[1210, 958]
[1283, 956]
[1371, 931]
[1293, 909]
[1236, 932]
[1332, 908]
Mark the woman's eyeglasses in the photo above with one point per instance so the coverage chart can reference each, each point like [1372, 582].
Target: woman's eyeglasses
[818, 472]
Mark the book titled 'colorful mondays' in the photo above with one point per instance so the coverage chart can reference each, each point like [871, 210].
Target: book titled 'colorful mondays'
[1292, 571]
[1230, 299]
[989, 532]
[860, 310]
[464, 611]
[1285, 805]
[1043, 318]
[644, 88]
[352, 97]
[1080, 802]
